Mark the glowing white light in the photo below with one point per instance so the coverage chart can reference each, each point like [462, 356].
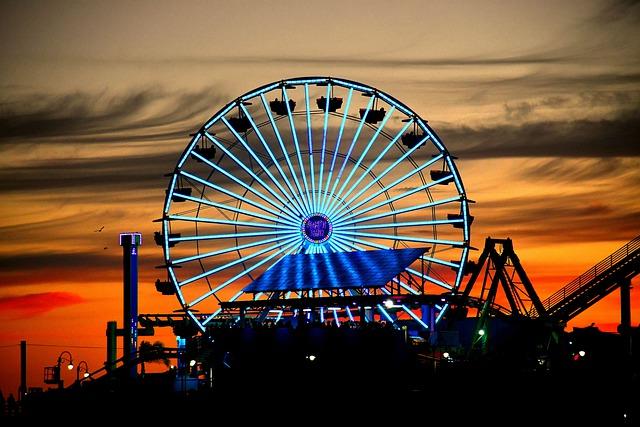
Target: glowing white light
[388, 303]
[481, 332]
[70, 366]
[582, 353]
[312, 357]
[445, 354]
[86, 374]
[192, 363]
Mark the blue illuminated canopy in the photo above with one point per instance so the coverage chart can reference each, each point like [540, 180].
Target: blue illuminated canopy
[337, 270]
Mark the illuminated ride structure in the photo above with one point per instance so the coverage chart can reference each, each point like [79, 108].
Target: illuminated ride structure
[315, 198]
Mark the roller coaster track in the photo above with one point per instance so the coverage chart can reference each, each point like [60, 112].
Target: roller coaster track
[593, 285]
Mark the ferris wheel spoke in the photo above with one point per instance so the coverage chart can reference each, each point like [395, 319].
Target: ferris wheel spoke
[335, 247]
[325, 198]
[286, 217]
[218, 311]
[291, 247]
[343, 244]
[235, 262]
[387, 187]
[362, 242]
[294, 135]
[415, 317]
[292, 193]
[325, 128]
[379, 246]
[228, 222]
[310, 144]
[430, 279]
[251, 173]
[349, 311]
[401, 224]
[348, 155]
[353, 213]
[400, 238]
[285, 154]
[253, 154]
[224, 251]
[376, 161]
[393, 199]
[365, 151]
[385, 314]
[228, 208]
[421, 206]
[230, 236]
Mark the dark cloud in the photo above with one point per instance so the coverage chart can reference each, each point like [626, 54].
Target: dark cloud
[617, 137]
[538, 82]
[556, 219]
[518, 111]
[53, 259]
[53, 266]
[608, 98]
[617, 10]
[555, 101]
[126, 173]
[543, 57]
[143, 114]
[617, 101]
[563, 170]
[30, 305]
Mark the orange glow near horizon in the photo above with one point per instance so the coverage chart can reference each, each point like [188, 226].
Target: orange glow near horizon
[98, 104]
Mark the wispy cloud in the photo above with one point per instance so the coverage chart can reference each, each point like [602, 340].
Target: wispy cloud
[148, 114]
[561, 170]
[616, 137]
[31, 305]
[561, 218]
[122, 173]
[618, 10]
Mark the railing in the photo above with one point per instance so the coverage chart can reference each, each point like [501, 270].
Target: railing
[576, 285]
[105, 370]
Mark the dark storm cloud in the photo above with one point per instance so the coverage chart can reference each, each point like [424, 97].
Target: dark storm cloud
[617, 137]
[563, 170]
[139, 172]
[543, 82]
[29, 305]
[65, 267]
[143, 114]
[536, 58]
[557, 219]
[617, 10]
[58, 260]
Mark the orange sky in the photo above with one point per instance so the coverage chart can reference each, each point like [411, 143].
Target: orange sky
[539, 101]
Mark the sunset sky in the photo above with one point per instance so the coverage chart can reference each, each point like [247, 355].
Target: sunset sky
[540, 101]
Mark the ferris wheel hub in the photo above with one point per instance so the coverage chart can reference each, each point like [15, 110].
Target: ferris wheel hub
[317, 228]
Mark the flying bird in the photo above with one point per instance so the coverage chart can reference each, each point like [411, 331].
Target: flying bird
[99, 229]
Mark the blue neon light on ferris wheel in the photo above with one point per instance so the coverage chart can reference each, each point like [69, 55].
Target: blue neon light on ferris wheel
[311, 165]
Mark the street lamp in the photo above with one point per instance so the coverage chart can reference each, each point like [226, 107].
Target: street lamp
[65, 356]
[82, 366]
[52, 373]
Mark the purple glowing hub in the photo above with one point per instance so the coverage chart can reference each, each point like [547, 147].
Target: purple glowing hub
[317, 228]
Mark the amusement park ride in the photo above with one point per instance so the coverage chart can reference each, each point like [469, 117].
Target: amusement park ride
[316, 201]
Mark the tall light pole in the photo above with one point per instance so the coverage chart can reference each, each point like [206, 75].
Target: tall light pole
[130, 243]
[82, 367]
[23, 369]
[65, 356]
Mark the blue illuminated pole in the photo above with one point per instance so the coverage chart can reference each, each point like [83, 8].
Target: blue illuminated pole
[130, 243]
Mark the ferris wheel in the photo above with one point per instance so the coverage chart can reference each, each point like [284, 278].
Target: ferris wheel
[311, 165]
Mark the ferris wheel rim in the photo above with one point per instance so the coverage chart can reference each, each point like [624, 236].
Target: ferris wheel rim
[311, 207]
